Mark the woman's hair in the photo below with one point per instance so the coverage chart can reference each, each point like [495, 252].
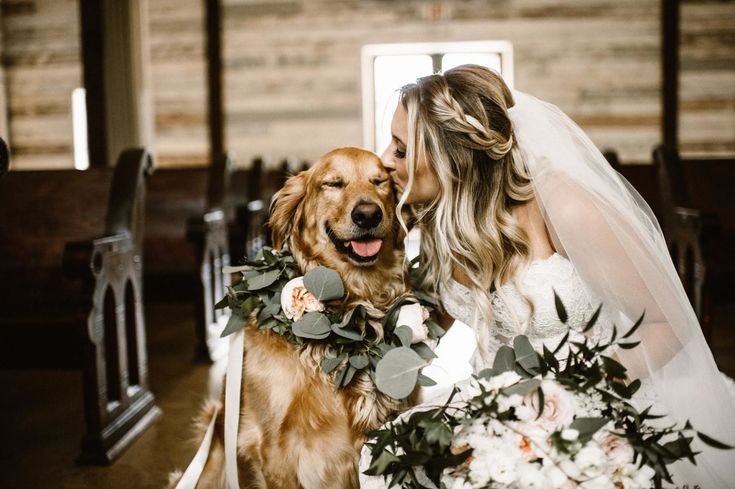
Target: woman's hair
[459, 123]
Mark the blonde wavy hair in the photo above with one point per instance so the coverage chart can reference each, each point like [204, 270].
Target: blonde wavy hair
[458, 122]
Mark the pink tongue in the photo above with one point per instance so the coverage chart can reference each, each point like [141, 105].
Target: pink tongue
[366, 248]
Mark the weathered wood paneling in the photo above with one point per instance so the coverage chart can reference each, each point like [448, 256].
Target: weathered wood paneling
[292, 70]
[42, 65]
[298, 62]
[707, 90]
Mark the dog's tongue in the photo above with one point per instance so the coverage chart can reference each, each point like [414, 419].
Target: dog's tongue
[366, 248]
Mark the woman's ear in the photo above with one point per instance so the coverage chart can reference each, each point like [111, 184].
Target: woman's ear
[284, 208]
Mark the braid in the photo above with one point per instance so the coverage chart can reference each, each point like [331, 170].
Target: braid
[447, 110]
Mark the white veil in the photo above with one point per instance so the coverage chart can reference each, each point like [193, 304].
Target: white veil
[612, 238]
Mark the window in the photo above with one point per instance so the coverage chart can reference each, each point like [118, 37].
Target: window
[387, 67]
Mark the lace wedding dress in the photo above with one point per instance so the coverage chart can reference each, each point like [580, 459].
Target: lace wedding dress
[513, 316]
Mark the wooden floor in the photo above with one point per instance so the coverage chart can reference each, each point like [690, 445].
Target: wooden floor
[41, 413]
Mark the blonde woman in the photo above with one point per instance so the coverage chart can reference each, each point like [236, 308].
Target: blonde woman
[514, 202]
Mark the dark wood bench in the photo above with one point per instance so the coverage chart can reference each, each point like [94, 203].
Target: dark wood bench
[693, 203]
[248, 201]
[699, 224]
[71, 290]
[4, 157]
[186, 245]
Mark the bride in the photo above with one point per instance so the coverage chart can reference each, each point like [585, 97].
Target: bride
[515, 203]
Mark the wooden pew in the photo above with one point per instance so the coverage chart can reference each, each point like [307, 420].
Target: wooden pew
[699, 224]
[4, 157]
[209, 233]
[249, 198]
[71, 290]
[186, 245]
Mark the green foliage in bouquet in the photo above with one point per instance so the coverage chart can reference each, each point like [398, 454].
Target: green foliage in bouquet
[394, 363]
[419, 445]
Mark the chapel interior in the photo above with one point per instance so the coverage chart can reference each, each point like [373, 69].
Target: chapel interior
[142, 141]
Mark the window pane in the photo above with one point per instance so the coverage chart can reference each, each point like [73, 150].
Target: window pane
[391, 73]
[491, 61]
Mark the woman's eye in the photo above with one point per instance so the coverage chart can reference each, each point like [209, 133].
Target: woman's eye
[398, 153]
[335, 184]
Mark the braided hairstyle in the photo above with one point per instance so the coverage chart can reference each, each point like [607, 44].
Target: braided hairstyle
[458, 122]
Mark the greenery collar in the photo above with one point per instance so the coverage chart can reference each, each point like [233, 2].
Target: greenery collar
[306, 309]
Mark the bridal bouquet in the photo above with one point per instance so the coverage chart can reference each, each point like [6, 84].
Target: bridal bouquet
[533, 421]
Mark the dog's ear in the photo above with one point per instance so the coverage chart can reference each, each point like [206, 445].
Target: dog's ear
[284, 208]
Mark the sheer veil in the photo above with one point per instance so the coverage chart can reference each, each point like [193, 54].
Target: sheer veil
[608, 232]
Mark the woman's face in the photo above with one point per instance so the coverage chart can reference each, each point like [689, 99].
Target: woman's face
[425, 184]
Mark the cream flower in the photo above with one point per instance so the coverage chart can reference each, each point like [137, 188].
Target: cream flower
[414, 316]
[618, 451]
[296, 300]
[559, 405]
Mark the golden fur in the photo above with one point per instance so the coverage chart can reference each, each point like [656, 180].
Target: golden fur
[296, 430]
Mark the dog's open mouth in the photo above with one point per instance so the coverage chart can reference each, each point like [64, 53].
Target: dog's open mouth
[362, 249]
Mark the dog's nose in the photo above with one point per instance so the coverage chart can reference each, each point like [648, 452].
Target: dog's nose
[367, 216]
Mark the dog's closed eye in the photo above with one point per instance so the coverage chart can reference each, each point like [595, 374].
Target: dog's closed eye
[334, 183]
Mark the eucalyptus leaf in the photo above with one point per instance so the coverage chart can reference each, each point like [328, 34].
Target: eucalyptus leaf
[330, 363]
[350, 334]
[423, 350]
[359, 361]
[249, 305]
[525, 354]
[324, 283]
[522, 388]
[312, 325]
[435, 331]
[405, 335]
[397, 372]
[268, 311]
[344, 376]
[504, 359]
[425, 381]
[634, 327]
[223, 302]
[234, 324]
[263, 280]
[381, 463]
[588, 427]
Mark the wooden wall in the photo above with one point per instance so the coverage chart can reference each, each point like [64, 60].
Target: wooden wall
[292, 70]
[707, 79]
[42, 65]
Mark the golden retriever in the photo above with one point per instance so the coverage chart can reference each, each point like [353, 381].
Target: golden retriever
[296, 430]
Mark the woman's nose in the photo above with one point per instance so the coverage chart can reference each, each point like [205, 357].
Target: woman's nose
[387, 159]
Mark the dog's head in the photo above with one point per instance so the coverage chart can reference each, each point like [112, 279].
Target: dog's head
[341, 214]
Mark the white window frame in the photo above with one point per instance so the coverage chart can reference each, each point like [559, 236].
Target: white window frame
[369, 52]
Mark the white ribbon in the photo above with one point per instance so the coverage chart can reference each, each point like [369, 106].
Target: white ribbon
[232, 407]
[194, 471]
[232, 415]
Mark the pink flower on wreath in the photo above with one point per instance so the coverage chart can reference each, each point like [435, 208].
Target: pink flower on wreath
[297, 300]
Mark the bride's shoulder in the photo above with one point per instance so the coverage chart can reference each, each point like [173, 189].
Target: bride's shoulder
[561, 197]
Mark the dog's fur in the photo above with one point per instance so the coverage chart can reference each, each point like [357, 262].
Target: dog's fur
[296, 430]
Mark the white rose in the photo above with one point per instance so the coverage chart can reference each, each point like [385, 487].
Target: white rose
[599, 482]
[618, 451]
[591, 460]
[644, 477]
[296, 300]
[414, 316]
[531, 476]
[559, 406]
[502, 468]
[506, 379]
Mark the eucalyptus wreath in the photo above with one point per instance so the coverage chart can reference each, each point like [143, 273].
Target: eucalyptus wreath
[393, 361]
